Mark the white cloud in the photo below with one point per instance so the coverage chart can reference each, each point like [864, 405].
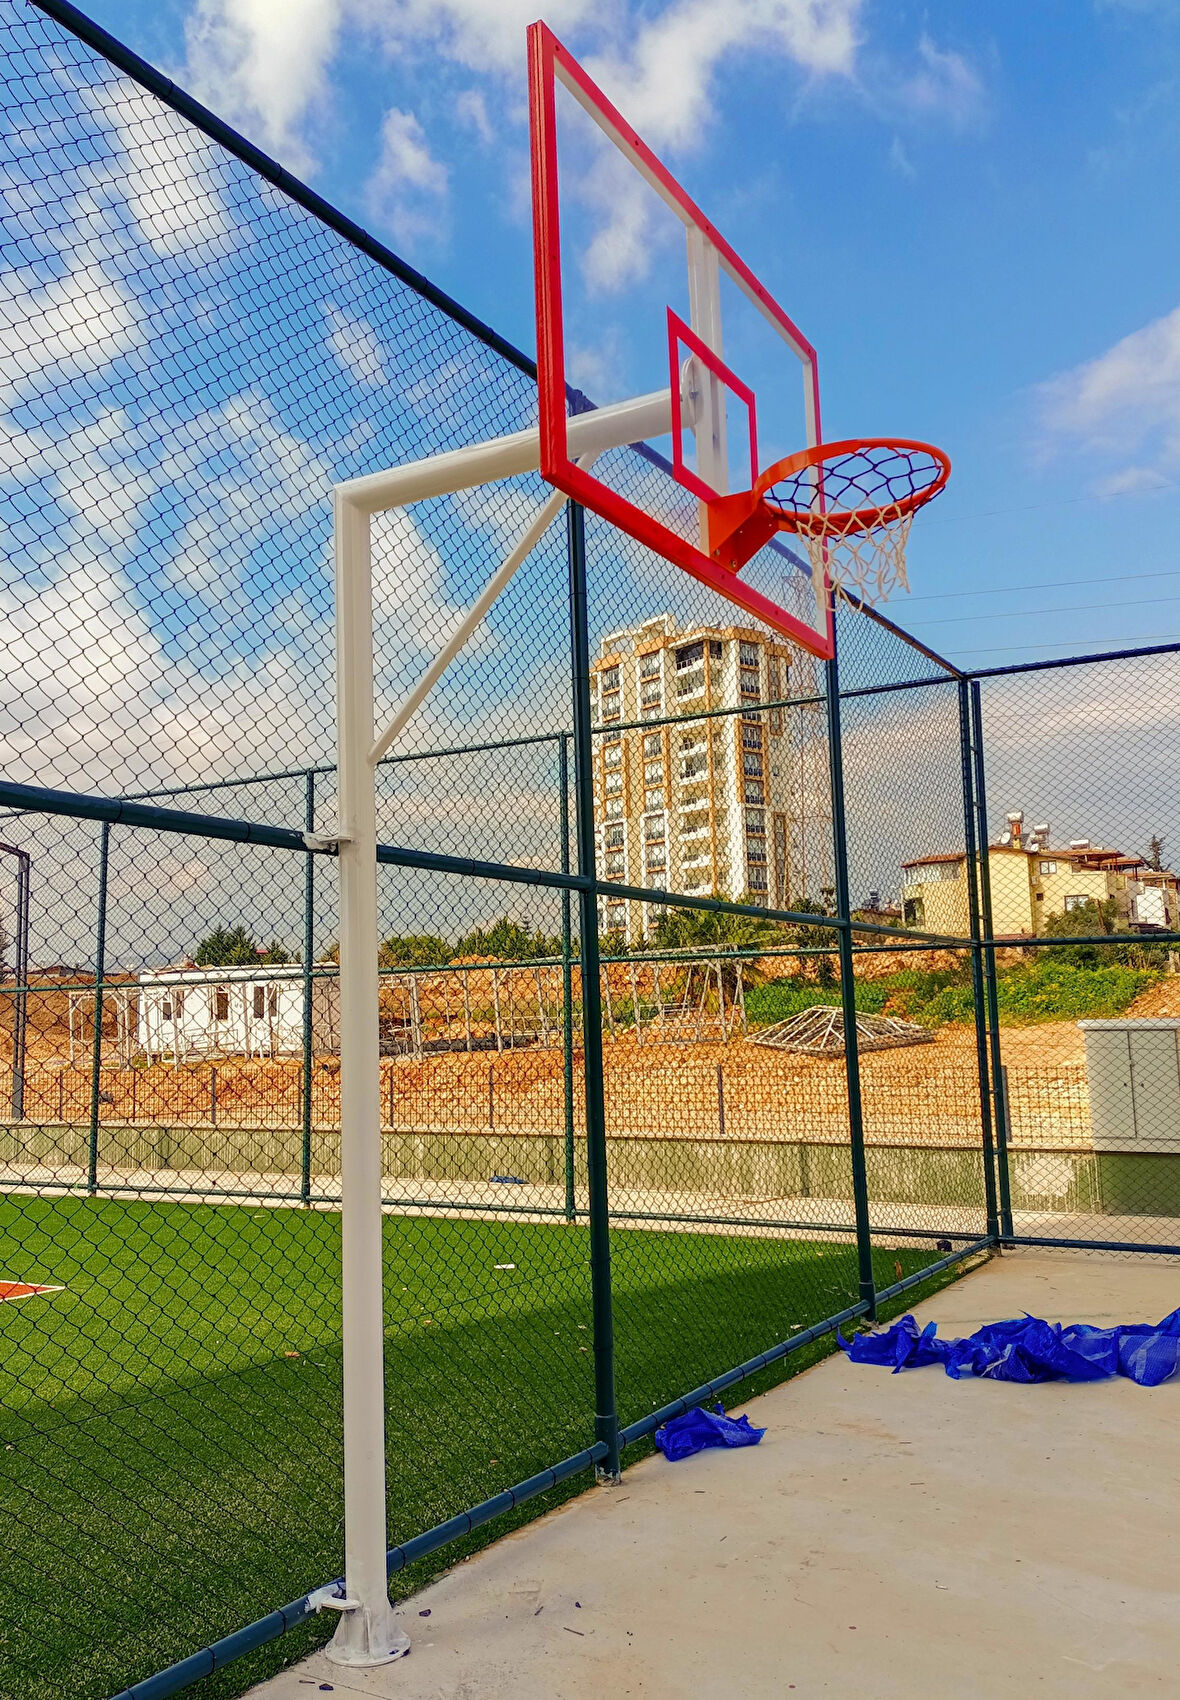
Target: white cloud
[449, 399]
[1132, 481]
[169, 176]
[1124, 405]
[506, 510]
[104, 689]
[599, 369]
[91, 698]
[263, 63]
[624, 246]
[945, 86]
[482, 35]
[407, 191]
[471, 111]
[665, 81]
[900, 160]
[76, 324]
[411, 605]
[357, 347]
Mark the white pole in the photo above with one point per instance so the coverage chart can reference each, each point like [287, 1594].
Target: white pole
[704, 293]
[368, 1633]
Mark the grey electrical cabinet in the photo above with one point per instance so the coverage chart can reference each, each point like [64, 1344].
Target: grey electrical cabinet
[1133, 1071]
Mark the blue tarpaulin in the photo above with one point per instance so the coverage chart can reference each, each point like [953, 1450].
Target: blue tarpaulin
[1028, 1349]
[691, 1432]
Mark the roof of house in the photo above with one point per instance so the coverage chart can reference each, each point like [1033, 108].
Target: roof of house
[193, 973]
[1093, 856]
[1092, 853]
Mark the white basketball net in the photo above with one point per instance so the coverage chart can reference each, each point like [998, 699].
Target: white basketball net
[868, 565]
[870, 496]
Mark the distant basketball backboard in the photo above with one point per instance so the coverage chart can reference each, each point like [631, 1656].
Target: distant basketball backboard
[637, 293]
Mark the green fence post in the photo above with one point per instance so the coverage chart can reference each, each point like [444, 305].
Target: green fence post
[856, 1133]
[999, 1101]
[606, 1420]
[100, 969]
[978, 991]
[20, 997]
[308, 991]
[567, 986]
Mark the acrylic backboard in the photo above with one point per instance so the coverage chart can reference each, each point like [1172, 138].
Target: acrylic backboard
[638, 293]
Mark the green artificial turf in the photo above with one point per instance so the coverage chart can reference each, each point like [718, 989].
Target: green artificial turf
[172, 1430]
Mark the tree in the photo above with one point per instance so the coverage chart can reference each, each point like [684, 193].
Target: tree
[1155, 852]
[507, 941]
[1089, 920]
[717, 930]
[413, 950]
[233, 947]
[818, 938]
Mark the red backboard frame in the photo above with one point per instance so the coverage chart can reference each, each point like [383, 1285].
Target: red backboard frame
[550, 62]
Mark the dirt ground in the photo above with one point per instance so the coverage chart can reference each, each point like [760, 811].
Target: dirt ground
[924, 1093]
[927, 1094]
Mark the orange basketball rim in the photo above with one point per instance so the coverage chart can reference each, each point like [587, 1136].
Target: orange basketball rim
[850, 502]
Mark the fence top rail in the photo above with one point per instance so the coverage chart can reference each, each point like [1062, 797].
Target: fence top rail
[1074, 660]
[880, 619]
[320, 768]
[111, 48]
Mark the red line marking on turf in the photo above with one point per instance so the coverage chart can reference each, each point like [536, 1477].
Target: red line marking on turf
[23, 1290]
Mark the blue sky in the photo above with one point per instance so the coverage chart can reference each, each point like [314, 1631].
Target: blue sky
[969, 210]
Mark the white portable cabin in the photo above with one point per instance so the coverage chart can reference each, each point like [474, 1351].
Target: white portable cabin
[250, 1011]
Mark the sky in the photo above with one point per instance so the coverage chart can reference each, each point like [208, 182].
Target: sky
[968, 210]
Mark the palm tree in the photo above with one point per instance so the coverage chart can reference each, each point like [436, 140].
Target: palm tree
[717, 931]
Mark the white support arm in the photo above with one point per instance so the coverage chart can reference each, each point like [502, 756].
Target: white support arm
[506, 457]
[499, 579]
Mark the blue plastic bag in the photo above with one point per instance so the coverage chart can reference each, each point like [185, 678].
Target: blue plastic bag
[1030, 1350]
[697, 1429]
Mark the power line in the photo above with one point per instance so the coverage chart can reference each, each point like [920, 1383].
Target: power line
[1030, 613]
[1044, 584]
[941, 518]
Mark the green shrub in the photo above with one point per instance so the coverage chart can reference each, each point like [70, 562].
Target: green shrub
[1049, 990]
[910, 990]
[776, 1000]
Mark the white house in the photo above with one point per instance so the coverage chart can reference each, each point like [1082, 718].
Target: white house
[186, 1011]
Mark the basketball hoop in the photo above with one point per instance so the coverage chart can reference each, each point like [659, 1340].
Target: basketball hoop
[851, 504]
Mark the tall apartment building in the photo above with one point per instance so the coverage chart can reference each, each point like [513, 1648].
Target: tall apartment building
[706, 801]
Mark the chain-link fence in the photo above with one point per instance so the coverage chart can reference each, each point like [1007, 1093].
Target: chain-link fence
[1080, 770]
[837, 1055]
